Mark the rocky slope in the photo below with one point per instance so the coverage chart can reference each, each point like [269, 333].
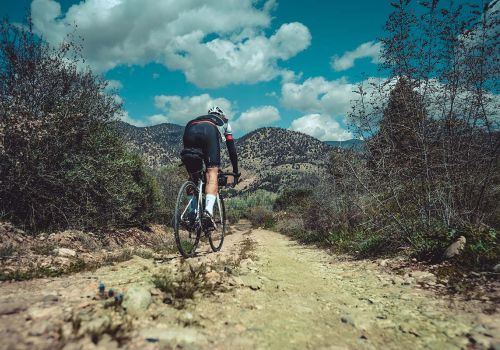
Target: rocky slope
[159, 144]
[270, 158]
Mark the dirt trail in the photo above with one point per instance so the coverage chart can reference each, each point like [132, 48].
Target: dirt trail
[286, 296]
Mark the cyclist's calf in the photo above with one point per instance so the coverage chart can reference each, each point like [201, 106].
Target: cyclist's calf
[211, 186]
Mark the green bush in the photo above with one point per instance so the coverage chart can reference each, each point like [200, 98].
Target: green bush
[259, 198]
[61, 165]
[260, 217]
[241, 207]
[293, 198]
[169, 180]
[233, 216]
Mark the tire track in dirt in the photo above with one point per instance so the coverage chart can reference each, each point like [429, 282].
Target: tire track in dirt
[283, 296]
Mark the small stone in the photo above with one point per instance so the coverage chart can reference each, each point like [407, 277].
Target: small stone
[11, 307]
[212, 278]
[137, 299]
[348, 319]
[383, 263]
[496, 268]
[186, 318]
[424, 277]
[481, 340]
[240, 328]
[36, 313]
[155, 291]
[39, 328]
[171, 336]
[65, 252]
[254, 286]
[408, 329]
[455, 248]
[107, 343]
[408, 281]
[50, 298]
[95, 326]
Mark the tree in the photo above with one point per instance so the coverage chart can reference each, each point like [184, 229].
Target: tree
[432, 126]
[61, 165]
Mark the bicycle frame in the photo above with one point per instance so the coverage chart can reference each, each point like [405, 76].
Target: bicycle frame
[200, 199]
[197, 227]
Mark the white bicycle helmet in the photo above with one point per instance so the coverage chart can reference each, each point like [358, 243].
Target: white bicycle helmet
[217, 111]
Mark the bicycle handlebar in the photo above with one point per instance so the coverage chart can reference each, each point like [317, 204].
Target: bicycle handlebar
[224, 175]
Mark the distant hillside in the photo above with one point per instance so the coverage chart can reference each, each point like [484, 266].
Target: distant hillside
[269, 158]
[354, 144]
[160, 144]
[274, 157]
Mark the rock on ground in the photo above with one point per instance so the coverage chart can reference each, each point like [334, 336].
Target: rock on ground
[137, 299]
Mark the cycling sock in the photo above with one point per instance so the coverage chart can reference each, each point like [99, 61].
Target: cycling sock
[209, 203]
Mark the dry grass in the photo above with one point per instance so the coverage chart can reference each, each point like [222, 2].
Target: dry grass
[181, 285]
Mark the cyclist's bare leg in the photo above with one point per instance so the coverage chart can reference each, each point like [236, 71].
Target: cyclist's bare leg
[212, 186]
[211, 189]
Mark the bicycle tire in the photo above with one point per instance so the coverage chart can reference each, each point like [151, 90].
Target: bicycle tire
[186, 250]
[216, 243]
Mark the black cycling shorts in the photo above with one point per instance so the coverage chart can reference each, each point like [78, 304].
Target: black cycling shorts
[205, 136]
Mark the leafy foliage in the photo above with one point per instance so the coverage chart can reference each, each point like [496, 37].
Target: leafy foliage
[60, 163]
[430, 170]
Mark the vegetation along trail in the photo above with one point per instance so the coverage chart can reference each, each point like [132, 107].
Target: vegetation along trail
[263, 291]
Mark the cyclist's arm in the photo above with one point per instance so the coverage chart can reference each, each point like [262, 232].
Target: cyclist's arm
[231, 149]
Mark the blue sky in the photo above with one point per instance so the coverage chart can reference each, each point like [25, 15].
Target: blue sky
[291, 64]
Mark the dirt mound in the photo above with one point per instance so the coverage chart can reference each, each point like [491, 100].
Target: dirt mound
[24, 256]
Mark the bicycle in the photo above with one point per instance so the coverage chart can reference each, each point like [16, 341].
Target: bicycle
[188, 224]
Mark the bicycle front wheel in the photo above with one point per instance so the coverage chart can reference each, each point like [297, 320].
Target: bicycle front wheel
[187, 228]
[216, 237]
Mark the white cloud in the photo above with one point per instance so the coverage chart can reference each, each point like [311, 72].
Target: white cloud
[370, 49]
[176, 34]
[124, 116]
[256, 117]
[114, 85]
[322, 127]
[324, 102]
[179, 110]
[318, 95]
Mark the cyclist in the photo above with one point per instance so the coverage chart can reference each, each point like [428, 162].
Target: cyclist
[204, 133]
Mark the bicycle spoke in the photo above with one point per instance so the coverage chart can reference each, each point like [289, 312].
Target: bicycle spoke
[186, 223]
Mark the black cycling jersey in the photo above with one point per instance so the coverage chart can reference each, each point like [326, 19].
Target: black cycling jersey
[221, 123]
[205, 133]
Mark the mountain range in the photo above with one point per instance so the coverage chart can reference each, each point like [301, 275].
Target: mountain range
[269, 158]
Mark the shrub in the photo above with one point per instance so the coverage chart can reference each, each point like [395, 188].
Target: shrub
[169, 180]
[233, 216]
[182, 284]
[293, 198]
[259, 198]
[241, 206]
[260, 217]
[60, 163]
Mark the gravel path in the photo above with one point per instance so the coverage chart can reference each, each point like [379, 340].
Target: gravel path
[271, 294]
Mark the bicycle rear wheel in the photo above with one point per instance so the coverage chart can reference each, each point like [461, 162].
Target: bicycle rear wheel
[216, 237]
[187, 227]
